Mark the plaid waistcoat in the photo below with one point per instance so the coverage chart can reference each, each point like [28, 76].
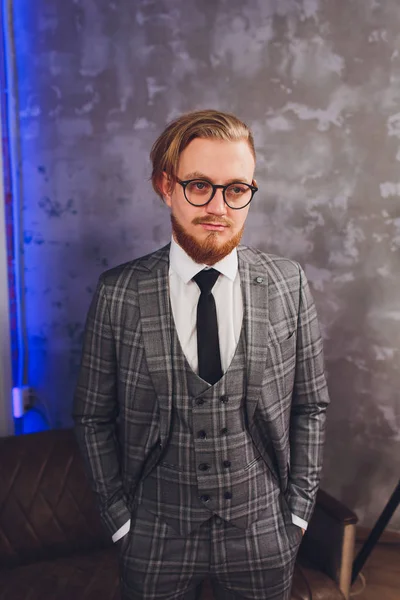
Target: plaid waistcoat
[211, 465]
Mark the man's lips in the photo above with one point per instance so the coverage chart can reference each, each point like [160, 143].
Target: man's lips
[214, 226]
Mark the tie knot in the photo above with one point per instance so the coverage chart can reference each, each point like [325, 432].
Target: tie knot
[206, 280]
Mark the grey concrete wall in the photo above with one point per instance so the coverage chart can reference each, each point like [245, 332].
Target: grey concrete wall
[319, 83]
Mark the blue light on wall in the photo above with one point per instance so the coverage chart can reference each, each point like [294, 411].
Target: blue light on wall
[34, 419]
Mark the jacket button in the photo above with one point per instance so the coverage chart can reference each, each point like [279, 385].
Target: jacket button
[228, 496]
[205, 498]
[224, 399]
[227, 464]
[224, 431]
[201, 434]
[204, 466]
[200, 401]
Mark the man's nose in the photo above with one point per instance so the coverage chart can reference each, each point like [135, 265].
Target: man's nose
[217, 205]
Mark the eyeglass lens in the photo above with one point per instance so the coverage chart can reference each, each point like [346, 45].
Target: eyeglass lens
[200, 191]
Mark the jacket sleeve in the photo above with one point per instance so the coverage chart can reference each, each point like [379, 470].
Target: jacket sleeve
[308, 412]
[95, 413]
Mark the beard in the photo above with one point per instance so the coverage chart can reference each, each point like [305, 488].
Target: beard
[208, 251]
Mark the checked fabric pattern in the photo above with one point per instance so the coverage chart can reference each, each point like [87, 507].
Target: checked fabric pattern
[127, 340]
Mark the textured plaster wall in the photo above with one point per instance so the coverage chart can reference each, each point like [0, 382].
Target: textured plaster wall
[319, 83]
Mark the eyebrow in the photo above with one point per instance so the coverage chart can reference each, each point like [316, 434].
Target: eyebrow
[199, 175]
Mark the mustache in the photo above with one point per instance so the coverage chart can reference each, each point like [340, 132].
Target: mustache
[212, 221]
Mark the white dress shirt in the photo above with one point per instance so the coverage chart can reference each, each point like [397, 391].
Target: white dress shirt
[184, 296]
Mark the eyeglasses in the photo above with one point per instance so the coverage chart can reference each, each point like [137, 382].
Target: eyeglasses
[200, 192]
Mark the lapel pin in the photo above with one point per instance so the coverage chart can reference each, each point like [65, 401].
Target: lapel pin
[259, 279]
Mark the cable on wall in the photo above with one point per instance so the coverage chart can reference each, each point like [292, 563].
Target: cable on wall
[12, 116]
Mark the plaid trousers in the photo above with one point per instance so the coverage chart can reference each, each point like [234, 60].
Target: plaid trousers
[156, 563]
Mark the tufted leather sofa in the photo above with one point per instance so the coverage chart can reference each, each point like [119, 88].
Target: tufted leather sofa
[53, 546]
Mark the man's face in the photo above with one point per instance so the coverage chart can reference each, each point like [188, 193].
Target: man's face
[208, 233]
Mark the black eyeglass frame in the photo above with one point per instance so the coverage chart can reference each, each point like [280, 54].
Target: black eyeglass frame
[215, 187]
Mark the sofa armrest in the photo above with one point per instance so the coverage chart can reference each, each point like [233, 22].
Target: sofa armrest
[328, 543]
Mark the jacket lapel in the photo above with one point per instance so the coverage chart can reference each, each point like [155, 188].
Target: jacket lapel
[156, 324]
[155, 319]
[254, 284]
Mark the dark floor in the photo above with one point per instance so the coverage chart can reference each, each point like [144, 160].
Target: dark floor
[382, 574]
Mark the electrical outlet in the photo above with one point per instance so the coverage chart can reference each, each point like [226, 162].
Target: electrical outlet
[27, 397]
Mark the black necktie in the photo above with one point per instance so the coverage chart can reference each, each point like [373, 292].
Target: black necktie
[207, 328]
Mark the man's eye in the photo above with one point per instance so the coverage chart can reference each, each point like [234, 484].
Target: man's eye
[237, 189]
[199, 186]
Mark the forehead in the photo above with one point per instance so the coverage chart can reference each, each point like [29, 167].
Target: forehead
[218, 159]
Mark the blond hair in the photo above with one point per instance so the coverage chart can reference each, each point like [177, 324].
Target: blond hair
[179, 133]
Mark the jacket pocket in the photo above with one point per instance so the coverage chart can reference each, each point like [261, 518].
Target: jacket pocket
[167, 465]
[284, 347]
[251, 464]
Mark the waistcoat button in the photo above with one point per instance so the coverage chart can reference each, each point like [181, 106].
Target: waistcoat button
[200, 401]
[204, 466]
[224, 431]
[218, 521]
[202, 434]
[224, 399]
[227, 464]
[228, 496]
[205, 498]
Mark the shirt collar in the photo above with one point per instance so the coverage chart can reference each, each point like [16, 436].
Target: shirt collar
[186, 268]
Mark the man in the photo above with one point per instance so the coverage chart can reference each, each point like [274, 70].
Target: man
[200, 406]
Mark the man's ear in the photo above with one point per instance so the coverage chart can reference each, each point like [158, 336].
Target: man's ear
[166, 188]
[255, 182]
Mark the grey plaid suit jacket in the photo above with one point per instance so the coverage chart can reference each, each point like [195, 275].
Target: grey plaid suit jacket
[123, 398]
